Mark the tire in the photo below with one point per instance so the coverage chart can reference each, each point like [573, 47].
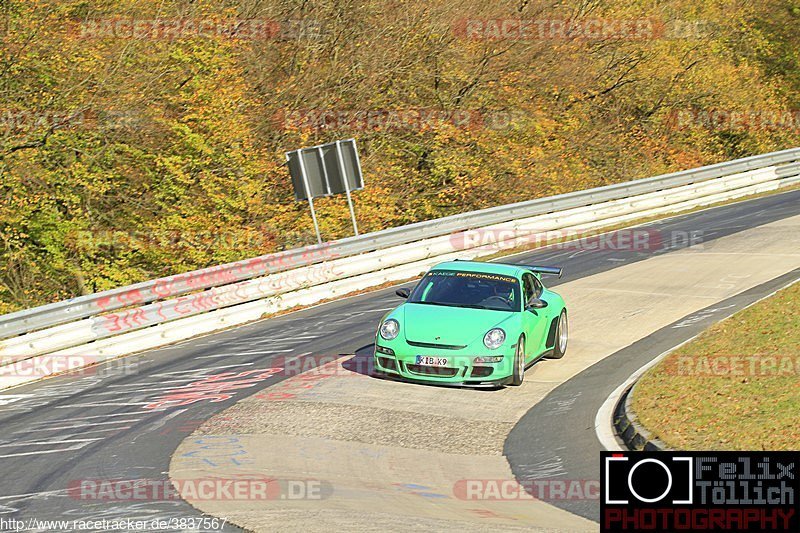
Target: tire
[518, 376]
[562, 336]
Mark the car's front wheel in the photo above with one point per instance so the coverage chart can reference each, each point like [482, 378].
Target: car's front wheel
[519, 363]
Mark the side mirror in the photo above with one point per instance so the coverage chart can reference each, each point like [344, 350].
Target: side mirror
[536, 303]
[402, 293]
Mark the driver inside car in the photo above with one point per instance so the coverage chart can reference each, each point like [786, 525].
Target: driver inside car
[504, 291]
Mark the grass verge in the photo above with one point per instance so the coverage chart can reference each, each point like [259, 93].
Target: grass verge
[734, 387]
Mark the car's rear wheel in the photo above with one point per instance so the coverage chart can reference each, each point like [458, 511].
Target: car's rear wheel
[562, 336]
[519, 363]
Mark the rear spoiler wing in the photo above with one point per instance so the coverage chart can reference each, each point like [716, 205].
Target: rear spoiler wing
[547, 271]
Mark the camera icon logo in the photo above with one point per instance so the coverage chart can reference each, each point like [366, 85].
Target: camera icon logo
[648, 480]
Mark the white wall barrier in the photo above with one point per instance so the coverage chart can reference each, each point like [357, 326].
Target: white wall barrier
[37, 354]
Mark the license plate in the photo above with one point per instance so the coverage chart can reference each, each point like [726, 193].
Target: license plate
[426, 360]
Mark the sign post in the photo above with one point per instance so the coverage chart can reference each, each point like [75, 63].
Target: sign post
[310, 198]
[340, 160]
[325, 170]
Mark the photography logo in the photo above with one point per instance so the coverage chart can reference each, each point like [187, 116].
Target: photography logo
[699, 491]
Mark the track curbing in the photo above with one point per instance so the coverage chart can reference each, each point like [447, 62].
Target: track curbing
[633, 434]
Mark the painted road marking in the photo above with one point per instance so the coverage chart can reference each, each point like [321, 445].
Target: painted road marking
[142, 391]
[162, 420]
[110, 404]
[158, 382]
[6, 399]
[697, 317]
[26, 495]
[89, 425]
[262, 352]
[44, 442]
[77, 444]
[195, 371]
[85, 418]
[93, 431]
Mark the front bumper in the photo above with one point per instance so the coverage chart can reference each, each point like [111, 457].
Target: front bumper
[467, 383]
[461, 369]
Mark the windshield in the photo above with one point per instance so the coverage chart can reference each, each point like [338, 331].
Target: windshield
[477, 290]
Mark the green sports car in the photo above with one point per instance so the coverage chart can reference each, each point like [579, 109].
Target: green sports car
[472, 323]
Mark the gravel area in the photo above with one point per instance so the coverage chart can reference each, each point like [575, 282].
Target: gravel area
[369, 425]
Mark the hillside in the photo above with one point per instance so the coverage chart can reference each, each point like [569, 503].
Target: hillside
[142, 138]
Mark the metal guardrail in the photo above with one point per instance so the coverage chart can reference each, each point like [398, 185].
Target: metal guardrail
[791, 169]
[149, 291]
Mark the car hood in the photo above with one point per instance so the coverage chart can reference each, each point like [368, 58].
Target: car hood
[458, 326]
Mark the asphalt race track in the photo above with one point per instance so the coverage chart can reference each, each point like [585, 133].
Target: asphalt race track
[571, 441]
[125, 419]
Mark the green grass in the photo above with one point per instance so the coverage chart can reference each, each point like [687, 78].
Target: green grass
[735, 387]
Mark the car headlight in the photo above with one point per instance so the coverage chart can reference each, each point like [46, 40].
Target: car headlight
[494, 338]
[390, 329]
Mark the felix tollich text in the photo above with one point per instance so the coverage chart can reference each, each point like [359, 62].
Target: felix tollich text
[742, 482]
